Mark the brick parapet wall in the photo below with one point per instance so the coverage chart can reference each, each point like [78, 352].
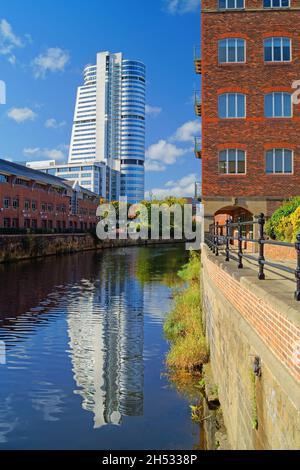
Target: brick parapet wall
[280, 334]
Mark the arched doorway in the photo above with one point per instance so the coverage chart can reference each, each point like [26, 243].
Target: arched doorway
[236, 213]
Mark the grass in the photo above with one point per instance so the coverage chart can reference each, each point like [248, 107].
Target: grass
[183, 326]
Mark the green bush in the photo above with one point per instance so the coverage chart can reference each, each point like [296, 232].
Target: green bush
[284, 224]
[183, 325]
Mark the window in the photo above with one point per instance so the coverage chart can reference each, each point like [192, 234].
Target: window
[43, 207]
[6, 222]
[277, 50]
[276, 3]
[232, 161]
[6, 202]
[33, 205]
[15, 223]
[279, 161]
[231, 4]
[232, 105]
[34, 224]
[27, 205]
[3, 179]
[15, 203]
[231, 50]
[26, 223]
[278, 104]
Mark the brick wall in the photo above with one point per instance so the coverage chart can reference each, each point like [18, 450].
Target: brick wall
[241, 324]
[86, 217]
[254, 133]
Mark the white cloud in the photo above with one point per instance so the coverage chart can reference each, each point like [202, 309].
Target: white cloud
[187, 132]
[182, 6]
[154, 166]
[153, 110]
[53, 60]
[54, 124]
[41, 153]
[184, 187]
[165, 152]
[21, 114]
[9, 41]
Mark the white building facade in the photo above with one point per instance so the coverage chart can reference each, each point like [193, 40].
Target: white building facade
[109, 122]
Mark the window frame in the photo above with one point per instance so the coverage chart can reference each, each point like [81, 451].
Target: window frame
[236, 50]
[272, 7]
[273, 150]
[281, 50]
[236, 105]
[282, 103]
[228, 8]
[236, 173]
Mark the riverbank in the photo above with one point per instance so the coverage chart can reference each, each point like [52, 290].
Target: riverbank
[188, 356]
[22, 247]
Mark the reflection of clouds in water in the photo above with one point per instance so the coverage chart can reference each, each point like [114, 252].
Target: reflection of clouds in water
[157, 300]
[7, 420]
[48, 401]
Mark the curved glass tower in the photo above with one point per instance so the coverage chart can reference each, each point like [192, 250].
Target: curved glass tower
[133, 130]
[109, 124]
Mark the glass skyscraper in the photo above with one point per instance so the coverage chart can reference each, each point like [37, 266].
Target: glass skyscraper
[109, 123]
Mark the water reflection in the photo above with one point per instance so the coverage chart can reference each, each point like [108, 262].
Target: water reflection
[79, 331]
[106, 343]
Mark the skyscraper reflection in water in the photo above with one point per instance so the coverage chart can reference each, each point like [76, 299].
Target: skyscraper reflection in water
[105, 327]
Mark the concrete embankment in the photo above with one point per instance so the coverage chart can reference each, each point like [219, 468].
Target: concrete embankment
[20, 247]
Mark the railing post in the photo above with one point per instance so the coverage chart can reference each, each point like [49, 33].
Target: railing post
[227, 240]
[217, 238]
[261, 258]
[240, 245]
[297, 271]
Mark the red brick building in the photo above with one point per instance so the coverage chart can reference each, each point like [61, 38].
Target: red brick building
[33, 200]
[250, 127]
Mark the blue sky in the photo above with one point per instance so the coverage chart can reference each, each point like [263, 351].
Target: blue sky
[44, 46]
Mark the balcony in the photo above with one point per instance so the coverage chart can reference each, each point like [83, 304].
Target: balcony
[197, 60]
[198, 147]
[198, 190]
[197, 104]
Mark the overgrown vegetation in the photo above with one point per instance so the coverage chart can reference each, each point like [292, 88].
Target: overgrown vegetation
[284, 225]
[183, 326]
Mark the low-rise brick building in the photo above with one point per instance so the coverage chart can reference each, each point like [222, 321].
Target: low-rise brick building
[33, 200]
[249, 60]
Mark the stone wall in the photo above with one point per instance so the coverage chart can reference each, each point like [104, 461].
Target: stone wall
[18, 247]
[244, 320]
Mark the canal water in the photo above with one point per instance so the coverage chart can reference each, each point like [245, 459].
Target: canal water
[82, 353]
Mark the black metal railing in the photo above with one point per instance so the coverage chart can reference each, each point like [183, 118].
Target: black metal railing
[222, 236]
